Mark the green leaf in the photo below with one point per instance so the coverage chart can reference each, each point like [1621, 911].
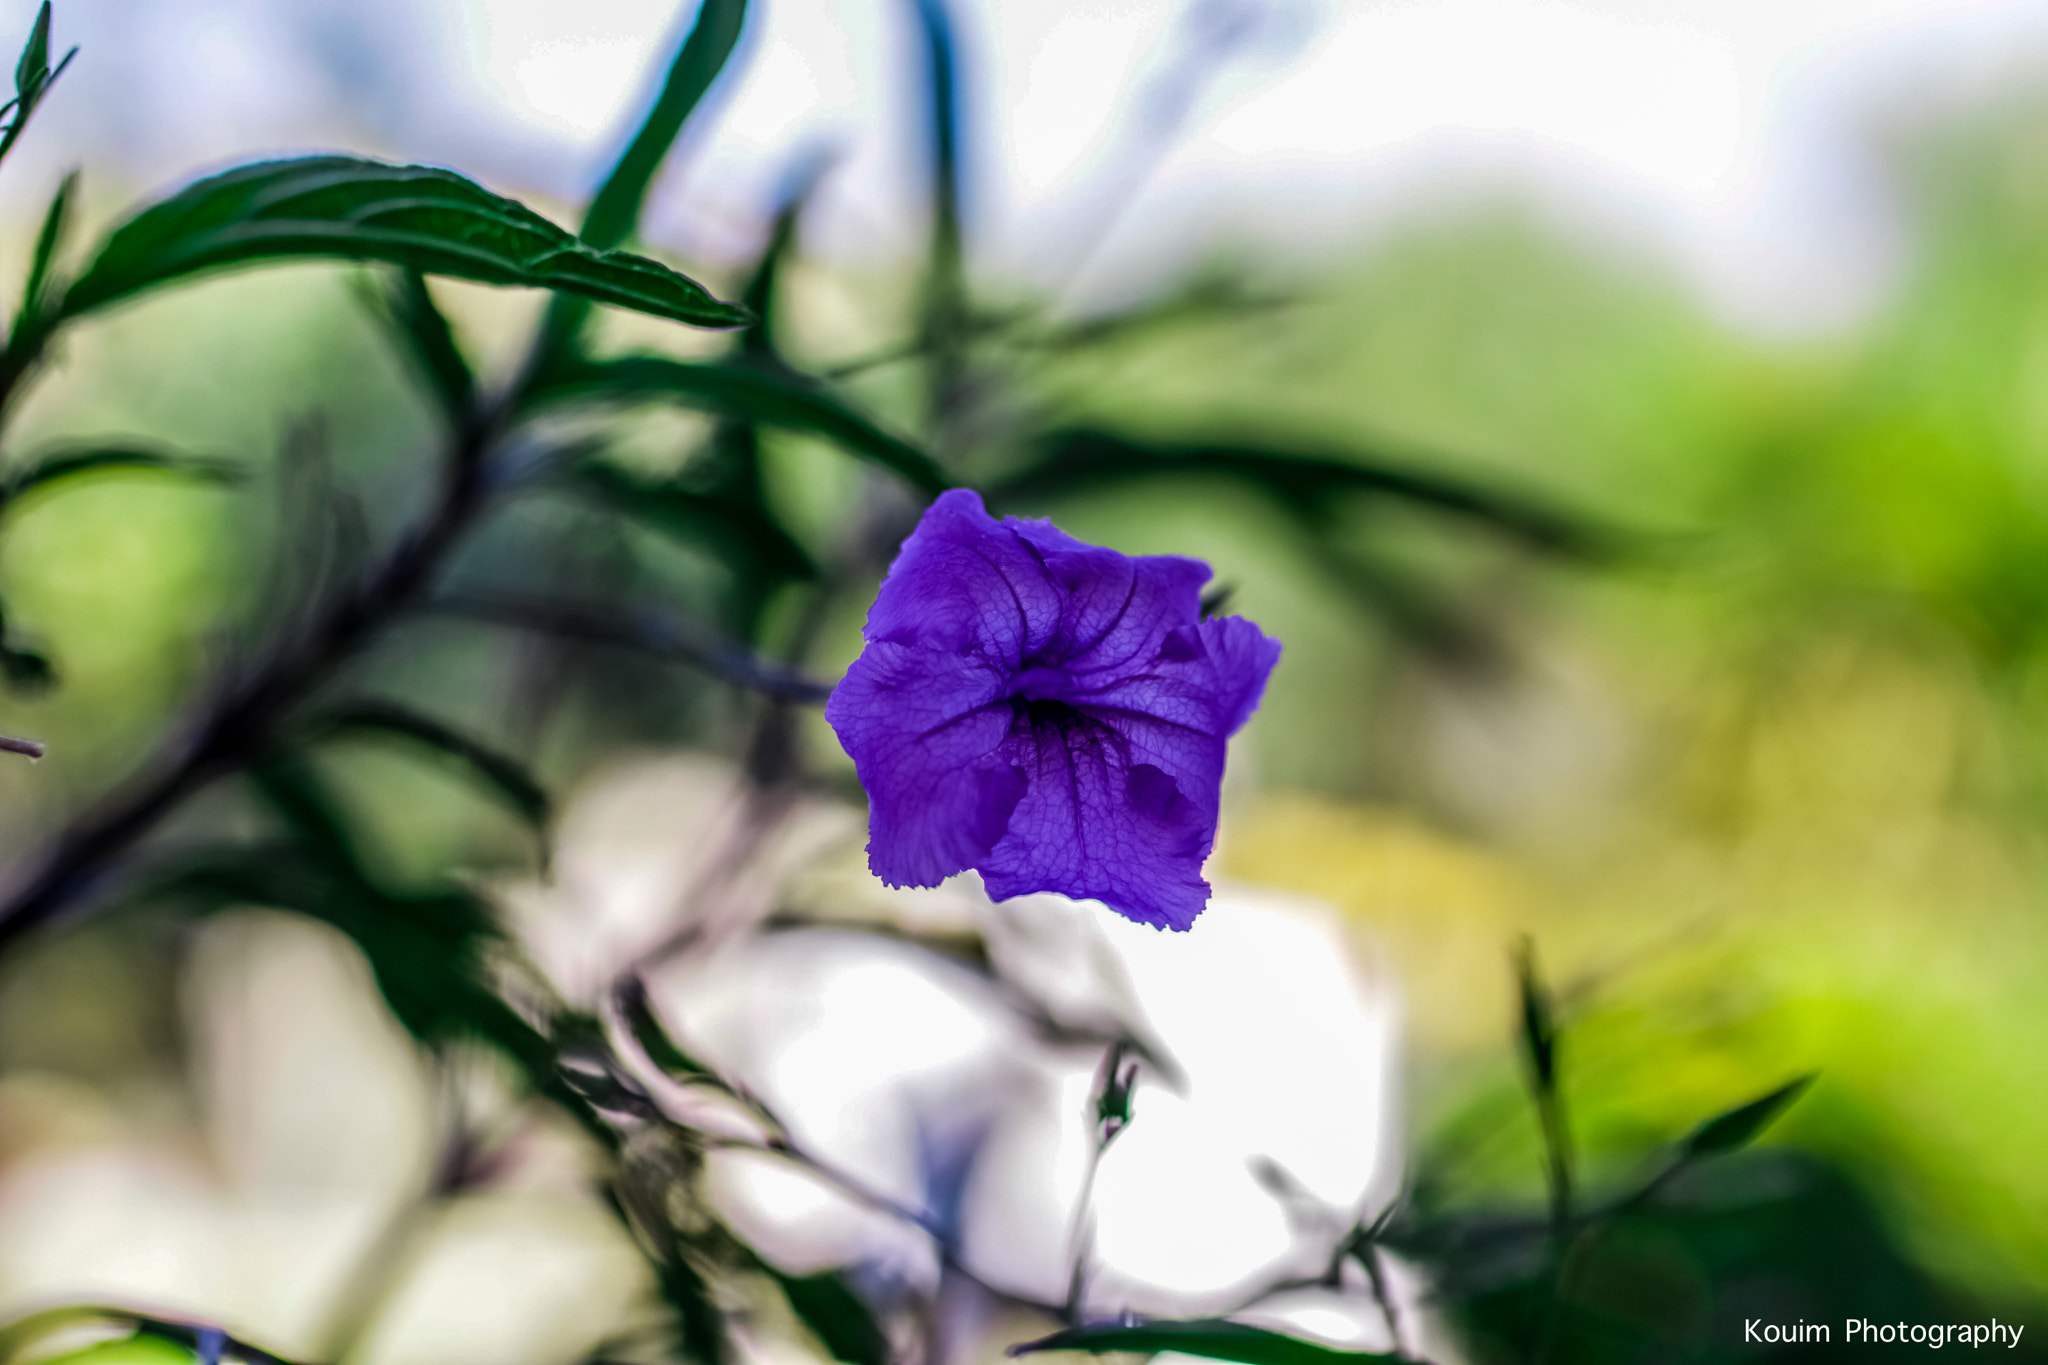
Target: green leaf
[34, 67]
[771, 396]
[504, 777]
[1213, 1338]
[650, 631]
[418, 217]
[1738, 1127]
[732, 528]
[71, 463]
[1085, 460]
[32, 78]
[26, 670]
[428, 342]
[631, 998]
[704, 53]
[55, 220]
[838, 1317]
[1539, 1027]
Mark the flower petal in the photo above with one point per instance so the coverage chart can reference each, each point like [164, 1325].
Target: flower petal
[924, 727]
[964, 582]
[1116, 609]
[1096, 825]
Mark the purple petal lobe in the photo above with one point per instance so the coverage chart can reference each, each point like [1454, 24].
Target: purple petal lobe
[1052, 713]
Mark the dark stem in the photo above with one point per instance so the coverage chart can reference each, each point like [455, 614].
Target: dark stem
[28, 748]
[241, 724]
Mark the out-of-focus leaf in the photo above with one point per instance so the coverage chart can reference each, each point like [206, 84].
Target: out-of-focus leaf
[422, 332]
[23, 1332]
[504, 777]
[1205, 297]
[1738, 1127]
[1213, 1338]
[418, 217]
[1081, 461]
[25, 669]
[772, 397]
[32, 79]
[662, 634]
[56, 219]
[1116, 1087]
[1539, 1048]
[68, 464]
[730, 527]
[33, 68]
[616, 207]
[141, 1348]
[946, 324]
[762, 284]
[1538, 1026]
[631, 998]
[838, 1317]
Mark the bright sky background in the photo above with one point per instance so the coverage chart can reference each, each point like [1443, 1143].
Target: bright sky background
[1726, 132]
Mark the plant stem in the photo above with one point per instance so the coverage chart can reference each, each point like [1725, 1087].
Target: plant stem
[239, 727]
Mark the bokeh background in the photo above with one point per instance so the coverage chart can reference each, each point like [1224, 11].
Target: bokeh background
[1757, 291]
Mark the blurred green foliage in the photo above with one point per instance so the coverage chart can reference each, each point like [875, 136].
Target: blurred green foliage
[1760, 745]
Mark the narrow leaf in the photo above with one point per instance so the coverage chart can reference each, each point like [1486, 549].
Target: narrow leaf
[732, 528]
[660, 634]
[32, 79]
[34, 67]
[69, 464]
[504, 777]
[631, 998]
[1740, 1126]
[770, 396]
[422, 332]
[704, 53]
[55, 220]
[345, 208]
[838, 1317]
[1212, 1338]
[1538, 1030]
[25, 670]
[1084, 460]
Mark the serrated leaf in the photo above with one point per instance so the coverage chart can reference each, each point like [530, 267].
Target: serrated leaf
[1084, 460]
[839, 1318]
[754, 393]
[347, 208]
[1738, 1127]
[1212, 1338]
[504, 777]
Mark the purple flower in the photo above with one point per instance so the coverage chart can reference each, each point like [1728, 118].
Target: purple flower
[1050, 713]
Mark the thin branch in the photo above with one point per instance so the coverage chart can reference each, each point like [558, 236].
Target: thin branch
[30, 749]
[243, 721]
[665, 635]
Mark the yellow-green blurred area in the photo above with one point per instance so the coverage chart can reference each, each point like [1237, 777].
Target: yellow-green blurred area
[1765, 782]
